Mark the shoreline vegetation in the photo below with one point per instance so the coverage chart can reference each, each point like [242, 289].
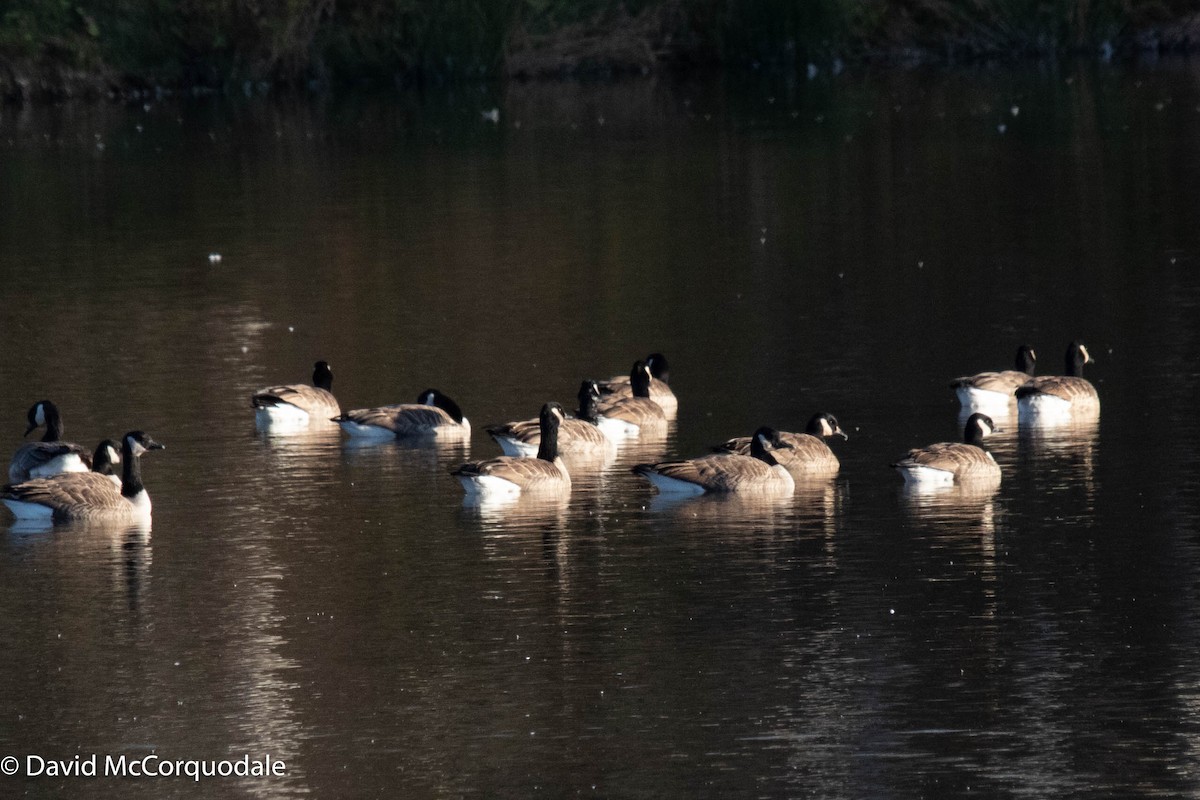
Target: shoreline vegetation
[56, 49]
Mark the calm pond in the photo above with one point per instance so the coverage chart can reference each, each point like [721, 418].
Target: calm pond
[847, 244]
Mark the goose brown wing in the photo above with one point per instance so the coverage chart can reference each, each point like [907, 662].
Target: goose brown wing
[619, 387]
[524, 472]
[316, 401]
[527, 431]
[1066, 387]
[808, 453]
[70, 492]
[1005, 382]
[716, 473]
[636, 410]
[406, 419]
[957, 457]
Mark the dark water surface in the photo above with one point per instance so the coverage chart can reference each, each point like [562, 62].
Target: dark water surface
[846, 245]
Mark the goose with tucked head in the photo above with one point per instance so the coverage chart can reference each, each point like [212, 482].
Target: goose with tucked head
[580, 436]
[297, 405]
[433, 415]
[807, 454]
[758, 473]
[513, 475]
[660, 389]
[948, 463]
[1057, 398]
[995, 390]
[636, 415]
[87, 495]
[51, 455]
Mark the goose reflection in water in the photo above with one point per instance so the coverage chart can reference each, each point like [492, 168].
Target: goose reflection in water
[1064, 455]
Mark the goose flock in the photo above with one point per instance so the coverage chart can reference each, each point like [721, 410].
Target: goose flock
[52, 479]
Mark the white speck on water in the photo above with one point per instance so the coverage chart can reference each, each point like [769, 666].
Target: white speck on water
[891, 611]
[214, 258]
[1001, 128]
[812, 71]
[920, 265]
[762, 240]
[245, 349]
[1015, 110]
[291, 329]
[491, 115]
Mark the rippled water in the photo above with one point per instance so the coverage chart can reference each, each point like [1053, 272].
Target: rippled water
[847, 245]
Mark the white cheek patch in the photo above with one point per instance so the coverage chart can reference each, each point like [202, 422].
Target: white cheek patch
[762, 440]
[135, 447]
[39, 416]
[428, 399]
[113, 456]
[1086, 357]
[826, 428]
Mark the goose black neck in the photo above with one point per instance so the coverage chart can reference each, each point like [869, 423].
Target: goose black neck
[973, 435]
[1075, 362]
[814, 427]
[587, 404]
[131, 470]
[548, 448]
[1026, 361]
[759, 451]
[322, 376]
[54, 427]
[639, 381]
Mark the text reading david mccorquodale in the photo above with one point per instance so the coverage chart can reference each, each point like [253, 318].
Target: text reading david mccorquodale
[148, 766]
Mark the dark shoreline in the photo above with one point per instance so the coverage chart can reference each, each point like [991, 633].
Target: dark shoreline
[606, 56]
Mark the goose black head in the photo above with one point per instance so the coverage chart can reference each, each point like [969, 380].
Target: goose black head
[978, 427]
[1077, 356]
[37, 415]
[589, 395]
[765, 440]
[825, 425]
[552, 413]
[659, 367]
[639, 379]
[106, 457]
[432, 397]
[322, 376]
[1026, 359]
[138, 442]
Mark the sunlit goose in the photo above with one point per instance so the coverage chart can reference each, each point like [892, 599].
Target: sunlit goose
[434, 414]
[297, 404]
[806, 453]
[660, 389]
[51, 455]
[87, 495]
[634, 415]
[953, 462]
[995, 389]
[510, 475]
[759, 472]
[580, 435]
[1060, 397]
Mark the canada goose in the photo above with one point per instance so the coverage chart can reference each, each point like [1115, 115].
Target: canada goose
[51, 455]
[635, 415]
[297, 404]
[434, 414]
[758, 472]
[87, 495]
[808, 454]
[1059, 397]
[578, 435]
[953, 462]
[508, 475]
[660, 389]
[995, 389]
